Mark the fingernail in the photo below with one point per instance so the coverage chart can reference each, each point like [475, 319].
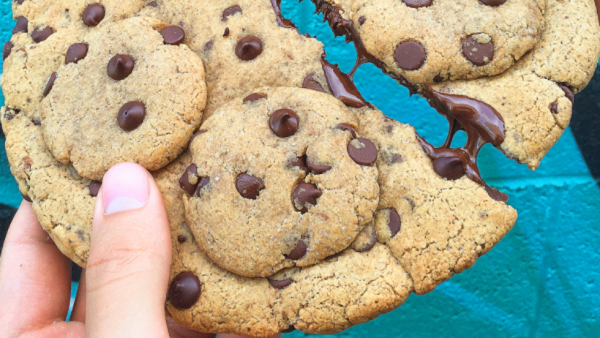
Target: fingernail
[124, 187]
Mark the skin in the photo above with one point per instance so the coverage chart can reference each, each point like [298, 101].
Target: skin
[121, 293]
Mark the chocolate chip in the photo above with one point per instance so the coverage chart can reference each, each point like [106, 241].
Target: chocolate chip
[173, 35]
[203, 182]
[347, 127]
[231, 11]
[49, 84]
[254, 97]
[284, 122]
[315, 168]
[8, 46]
[289, 329]
[36, 122]
[19, 2]
[120, 66]
[305, 194]
[202, 131]
[181, 239]
[493, 3]
[394, 223]
[370, 244]
[417, 3]
[185, 290]
[310, 83]
[450, 168]
[248, 48]
[396, 158]
[480, 53]
[300, 162]
[9, 117]
[226, 33]
[20, 26]
[300, 249]
[410, 55]
[208, 46]
[189, 180]
[40, 35]
[568, 92]
[554, 108]
[153, 4]
[249, 186]
[93, 14]
[280, 284]
[94, 187]
[362, 151]
[131, 115]
[362, 20]
[26, 197]
[76, 52]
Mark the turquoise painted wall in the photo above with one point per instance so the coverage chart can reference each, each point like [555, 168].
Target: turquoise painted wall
[540, 281]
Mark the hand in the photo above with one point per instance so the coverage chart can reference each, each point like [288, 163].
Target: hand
[121, 293]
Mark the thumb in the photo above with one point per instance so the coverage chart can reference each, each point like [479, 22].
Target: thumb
[130, 255]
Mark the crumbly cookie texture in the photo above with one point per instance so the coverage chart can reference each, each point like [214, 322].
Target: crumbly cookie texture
[141, 97]
[280, 178]
[216, 29]
[433, 226]
[535, 97]
[435, 40]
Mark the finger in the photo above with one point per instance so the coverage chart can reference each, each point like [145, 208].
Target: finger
[78, 313]
[227, 335]
[178, 331]
[35, 278]
[130, 256]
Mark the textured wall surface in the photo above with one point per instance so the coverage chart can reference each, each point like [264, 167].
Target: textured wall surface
[540, 281]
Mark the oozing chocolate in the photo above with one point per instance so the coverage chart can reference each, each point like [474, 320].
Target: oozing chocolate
[283, 22]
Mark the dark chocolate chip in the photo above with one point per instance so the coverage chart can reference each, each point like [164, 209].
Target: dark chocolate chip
[478, 53]
[496, 195]
[93, 14]
[8, 46]
[450, 168]
[173, 35]
[21, 25]
[226, 33]
[230, 11]
[396, 158]
[94, 188]
[370, 244]
[19, 2]
[362, 20]
[185, 290]
[40, 35]
[208, 46]
[153, 4]
[280, 284]
[289, 329]
[249, 186]
[181, 239]
[493, 3]
[417, 3]
[120, 66]
[568, 92]
[26, 197]
[76, 52]
[49, 84]
[284, 122]
[300, 162]
[410, 55]
[438, 79]
[310, 83]
[315, 168]
[362, 151]
[204, 181]
[305, 194]
[189, 180]
[395, 222]
[300, 249]
[202, 131]
[554, 108]
[131, 115]
[9, 117]
[36, 122]
[248, 48]
[347, 127]
[254, 97]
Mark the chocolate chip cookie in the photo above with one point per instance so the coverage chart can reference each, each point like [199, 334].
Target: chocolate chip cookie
[279, 178]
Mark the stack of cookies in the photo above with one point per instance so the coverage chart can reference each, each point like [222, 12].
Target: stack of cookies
[293, 203]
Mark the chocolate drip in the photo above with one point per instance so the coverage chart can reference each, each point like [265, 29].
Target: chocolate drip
[283, 22]
[341, 85]
[482, 123]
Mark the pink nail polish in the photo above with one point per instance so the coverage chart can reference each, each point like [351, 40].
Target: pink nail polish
[125, 187]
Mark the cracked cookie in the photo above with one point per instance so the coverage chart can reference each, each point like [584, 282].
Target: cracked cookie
[279, 178]
[132, 82]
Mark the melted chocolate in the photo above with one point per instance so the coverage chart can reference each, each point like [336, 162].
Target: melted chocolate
[283, 22]
[341, 85]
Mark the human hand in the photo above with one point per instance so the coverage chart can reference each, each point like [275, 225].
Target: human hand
[122, 291]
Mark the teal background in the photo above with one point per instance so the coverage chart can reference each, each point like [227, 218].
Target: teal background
[541, 280]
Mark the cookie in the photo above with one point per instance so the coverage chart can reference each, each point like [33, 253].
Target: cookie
[244, 45]
[430, 41]
[126, 92]
[285, 169]
[435, 226]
